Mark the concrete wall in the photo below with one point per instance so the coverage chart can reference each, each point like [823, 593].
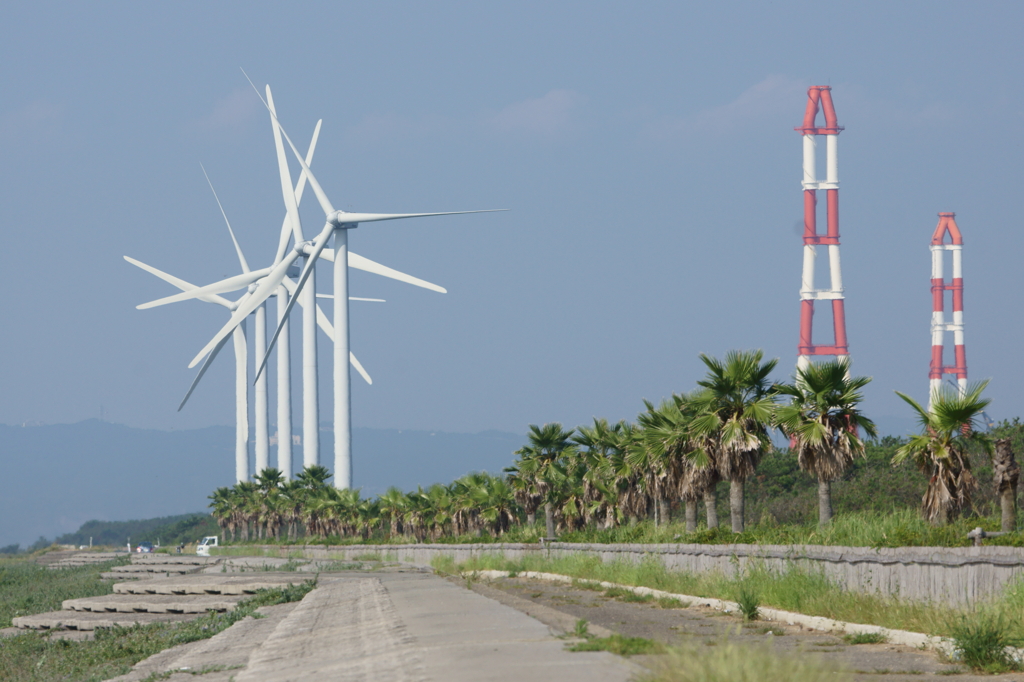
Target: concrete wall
[959, 575]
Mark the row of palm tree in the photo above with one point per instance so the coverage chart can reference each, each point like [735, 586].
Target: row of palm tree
[271, 507]
[606, 474]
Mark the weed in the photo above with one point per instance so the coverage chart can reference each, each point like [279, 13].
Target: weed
[748, 602]
[731, 662]
[618, 644]
[582, 629]
[866, 638]
[778, 632]
[981, 640]
[635, 598]
[671, 603]
[368, 557]
[950, 671]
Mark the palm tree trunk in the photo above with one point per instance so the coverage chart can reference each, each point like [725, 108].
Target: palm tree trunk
[736, 504]
[691, 515]
[1008, 502]
[824, 502]
[531, 518]
[1006, 471]
[664, 512]
[711, 506]
[549, 520]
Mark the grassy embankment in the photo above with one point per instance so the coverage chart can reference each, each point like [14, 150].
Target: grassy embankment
[32, 657]
[27, 588]
[796, 589]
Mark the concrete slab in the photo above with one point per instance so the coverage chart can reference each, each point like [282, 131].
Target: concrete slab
[153, 603]
[346, 629]
[152, 567]
[185, 559]
[228, 650]
[215, 583]
[84, 620]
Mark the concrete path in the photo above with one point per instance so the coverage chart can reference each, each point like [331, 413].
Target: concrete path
[407, 626]
[462, 636]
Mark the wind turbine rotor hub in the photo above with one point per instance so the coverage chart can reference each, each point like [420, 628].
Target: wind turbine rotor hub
[338, 220]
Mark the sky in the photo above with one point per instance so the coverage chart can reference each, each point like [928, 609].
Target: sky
[646, 152]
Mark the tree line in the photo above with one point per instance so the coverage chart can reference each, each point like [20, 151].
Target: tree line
[603, 475]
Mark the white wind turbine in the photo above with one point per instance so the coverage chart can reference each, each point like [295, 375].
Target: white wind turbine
[241, 364]
[273, 280]
[337, 225]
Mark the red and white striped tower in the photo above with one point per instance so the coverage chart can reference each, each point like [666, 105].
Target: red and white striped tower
[821, 95]
[947, 225]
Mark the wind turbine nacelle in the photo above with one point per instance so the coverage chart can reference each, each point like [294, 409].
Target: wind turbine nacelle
[293, 271]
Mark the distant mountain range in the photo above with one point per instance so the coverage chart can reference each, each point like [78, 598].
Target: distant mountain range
[56, 477]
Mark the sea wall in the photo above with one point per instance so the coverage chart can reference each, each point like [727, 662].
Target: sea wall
[955, 576]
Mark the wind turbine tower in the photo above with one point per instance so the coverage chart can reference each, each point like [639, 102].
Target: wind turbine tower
[820, 96]
[947, 225]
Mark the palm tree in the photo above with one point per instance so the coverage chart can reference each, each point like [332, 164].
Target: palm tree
[599, 444]
[660, 472]
[222, 502]
[692, 475]
[548, 445]
[822, 422]
[941, 451]
[736, 410]
[314, 478]
[523, 476]
[393, 506]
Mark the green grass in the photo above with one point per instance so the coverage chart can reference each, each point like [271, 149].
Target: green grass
[748, 601]
[981, 640]
[795, 589]
[33, 657]
[731, 662]
[865, 638]
[27, 588]
[619, 644]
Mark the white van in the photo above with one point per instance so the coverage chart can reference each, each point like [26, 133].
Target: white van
[203, 549]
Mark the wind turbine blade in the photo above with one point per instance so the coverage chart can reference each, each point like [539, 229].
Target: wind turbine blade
[355, 298]
[238, 249]
[225, 285]
[377, 217]
[178, 282]
[318, 246]
[359, 368]
[202, 371]
[300, 188]
[287, 191]
[325, 203]
[365, 264]
[264, 290]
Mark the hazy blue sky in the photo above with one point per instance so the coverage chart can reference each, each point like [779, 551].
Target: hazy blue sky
[646, 150]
